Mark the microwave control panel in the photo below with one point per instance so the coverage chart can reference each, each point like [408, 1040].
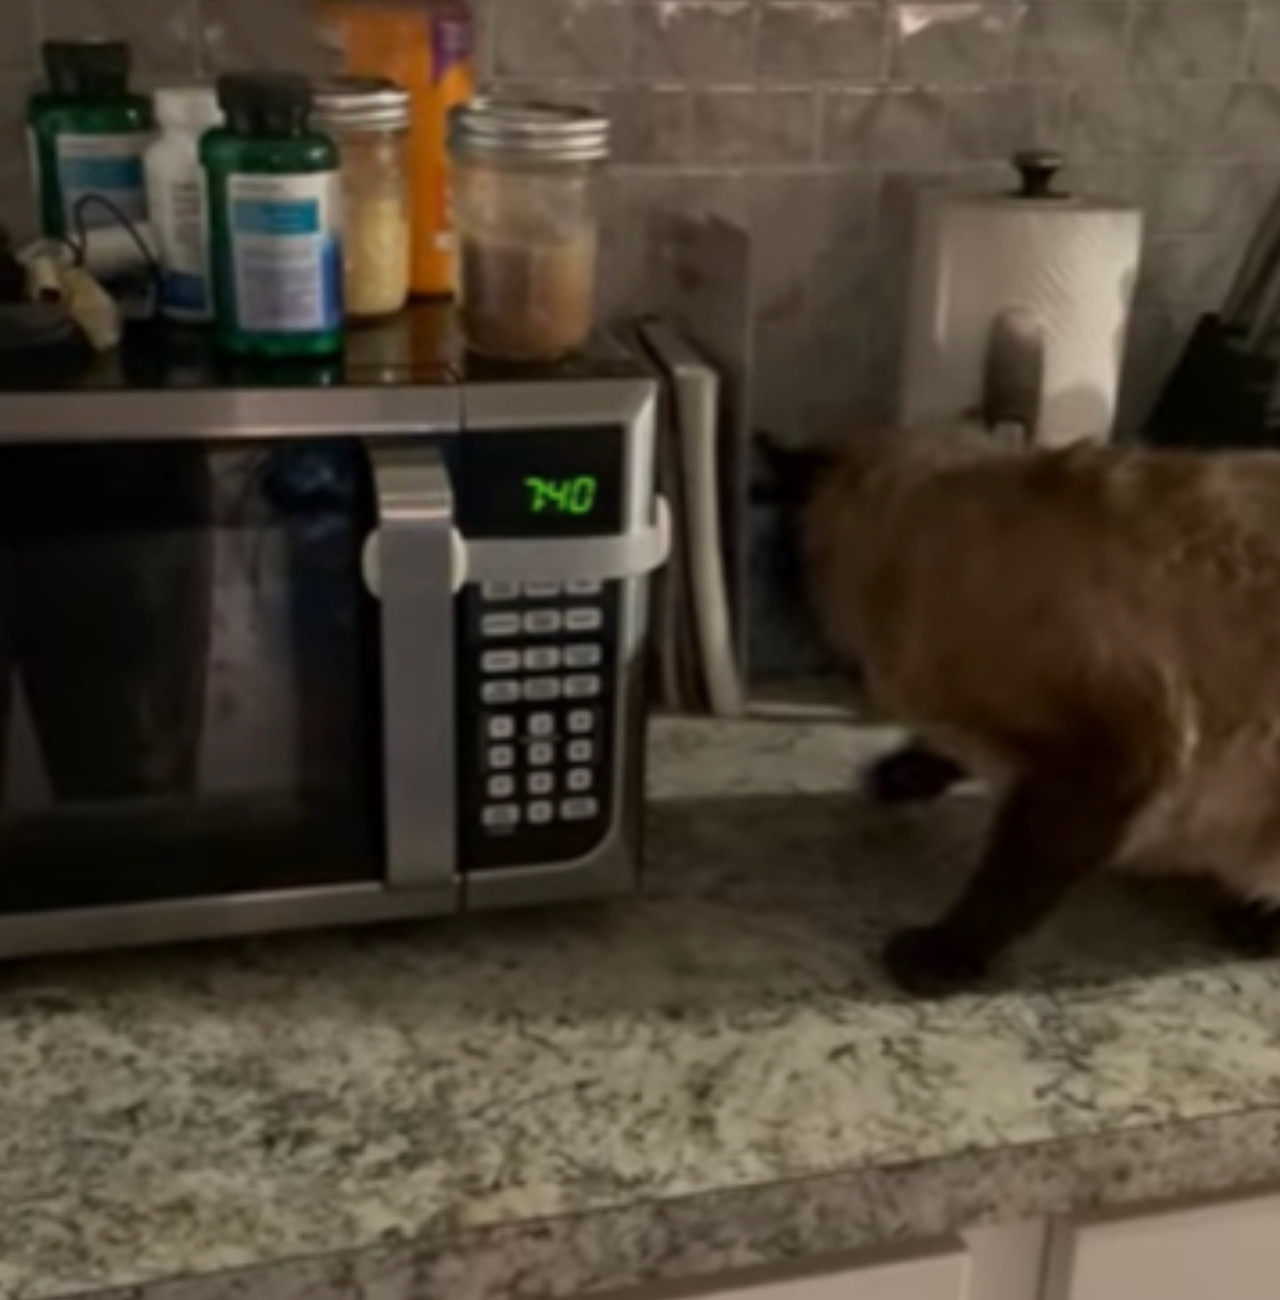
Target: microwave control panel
[537, 782]
[538, 662]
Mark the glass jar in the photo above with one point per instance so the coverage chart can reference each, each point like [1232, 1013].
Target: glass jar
[426, 47]
[368, 118]
[526, 206]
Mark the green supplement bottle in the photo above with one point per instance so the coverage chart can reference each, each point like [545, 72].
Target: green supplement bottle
[275, 221]
[88, 135]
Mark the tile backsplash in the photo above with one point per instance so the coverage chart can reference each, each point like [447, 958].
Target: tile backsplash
[810, 122]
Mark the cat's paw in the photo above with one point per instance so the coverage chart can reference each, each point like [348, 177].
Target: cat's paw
[927, 962]
[911, 775]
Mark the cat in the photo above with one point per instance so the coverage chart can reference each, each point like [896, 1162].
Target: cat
[1096, 631]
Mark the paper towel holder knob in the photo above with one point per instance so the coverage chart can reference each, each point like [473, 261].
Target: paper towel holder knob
[1036, 170]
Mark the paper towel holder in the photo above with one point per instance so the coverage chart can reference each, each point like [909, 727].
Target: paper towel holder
[1036, 169]
[1017, 308]
[1013, 377]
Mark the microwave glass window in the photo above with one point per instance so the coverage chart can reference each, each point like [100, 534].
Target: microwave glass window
[188, 680]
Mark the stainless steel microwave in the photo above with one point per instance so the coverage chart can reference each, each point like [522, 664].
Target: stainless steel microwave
[302, 648]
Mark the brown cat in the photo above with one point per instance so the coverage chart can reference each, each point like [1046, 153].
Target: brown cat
[1096, 629]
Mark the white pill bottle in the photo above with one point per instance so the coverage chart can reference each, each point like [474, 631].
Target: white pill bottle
[177, 201]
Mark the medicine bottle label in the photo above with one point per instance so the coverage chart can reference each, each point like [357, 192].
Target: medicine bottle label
[184, 237]
[286, 252]
[108, 166]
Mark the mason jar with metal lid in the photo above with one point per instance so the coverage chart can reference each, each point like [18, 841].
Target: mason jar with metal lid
[368, 118]
[526, 206]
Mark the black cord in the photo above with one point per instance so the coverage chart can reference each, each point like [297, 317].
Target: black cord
[82, 205]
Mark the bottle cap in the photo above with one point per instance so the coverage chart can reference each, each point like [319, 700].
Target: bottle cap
[361, 104]
[528, 130]
[188, 108]
[264, 103]
[91, 69]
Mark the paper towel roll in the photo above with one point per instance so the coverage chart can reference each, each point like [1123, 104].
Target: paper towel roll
[1072, 264]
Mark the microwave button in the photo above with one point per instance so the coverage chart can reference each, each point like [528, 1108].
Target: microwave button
[542, 590]
[500, 816]
[582, 751]
[579, 810]
[543, 622]
[500, 661]
[501, 787]
[538, 690]
[584, 620]
[583, 656]
[542, 659]
[542, 724]
[541, 813]
[581, 779]
[504, 692]
[541, 755]
[585, 687]
[495, 625]
[501, 757]
[585, 587]
[582, 722]
[501, 591]
[541, 783]
[501, 726]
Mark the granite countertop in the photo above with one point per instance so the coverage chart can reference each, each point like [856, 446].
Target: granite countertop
[710, 1076]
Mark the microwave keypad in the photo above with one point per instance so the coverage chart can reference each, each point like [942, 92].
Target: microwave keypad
[538, 777]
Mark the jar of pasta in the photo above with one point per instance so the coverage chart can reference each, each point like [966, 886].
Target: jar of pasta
[368, 119]
[526, 185]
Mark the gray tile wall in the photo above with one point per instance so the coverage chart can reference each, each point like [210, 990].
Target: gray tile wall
[811, 120]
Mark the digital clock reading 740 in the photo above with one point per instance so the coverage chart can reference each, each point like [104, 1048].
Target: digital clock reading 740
[562, 496]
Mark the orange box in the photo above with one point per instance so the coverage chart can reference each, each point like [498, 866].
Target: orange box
[427, 47]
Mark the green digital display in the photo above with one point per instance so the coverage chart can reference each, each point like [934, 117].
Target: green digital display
[562, 496]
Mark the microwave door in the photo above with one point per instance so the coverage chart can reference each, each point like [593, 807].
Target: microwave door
[188, 673]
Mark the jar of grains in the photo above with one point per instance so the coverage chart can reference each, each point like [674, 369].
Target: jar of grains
[368, 119]
[526, 197]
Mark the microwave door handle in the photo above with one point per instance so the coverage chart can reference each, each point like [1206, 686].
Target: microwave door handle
[412, 566]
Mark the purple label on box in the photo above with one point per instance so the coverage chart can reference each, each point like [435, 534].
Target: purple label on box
[451, 44]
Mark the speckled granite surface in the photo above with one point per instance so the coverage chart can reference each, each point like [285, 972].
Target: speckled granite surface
[710, 1076]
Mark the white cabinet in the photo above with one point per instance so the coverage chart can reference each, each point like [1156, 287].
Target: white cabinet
[1002, 1263]
[1229, 1251]
[1225, 1251]
[1006, 1262]
[942, 1276]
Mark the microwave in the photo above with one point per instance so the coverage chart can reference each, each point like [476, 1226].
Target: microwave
[319, 645]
